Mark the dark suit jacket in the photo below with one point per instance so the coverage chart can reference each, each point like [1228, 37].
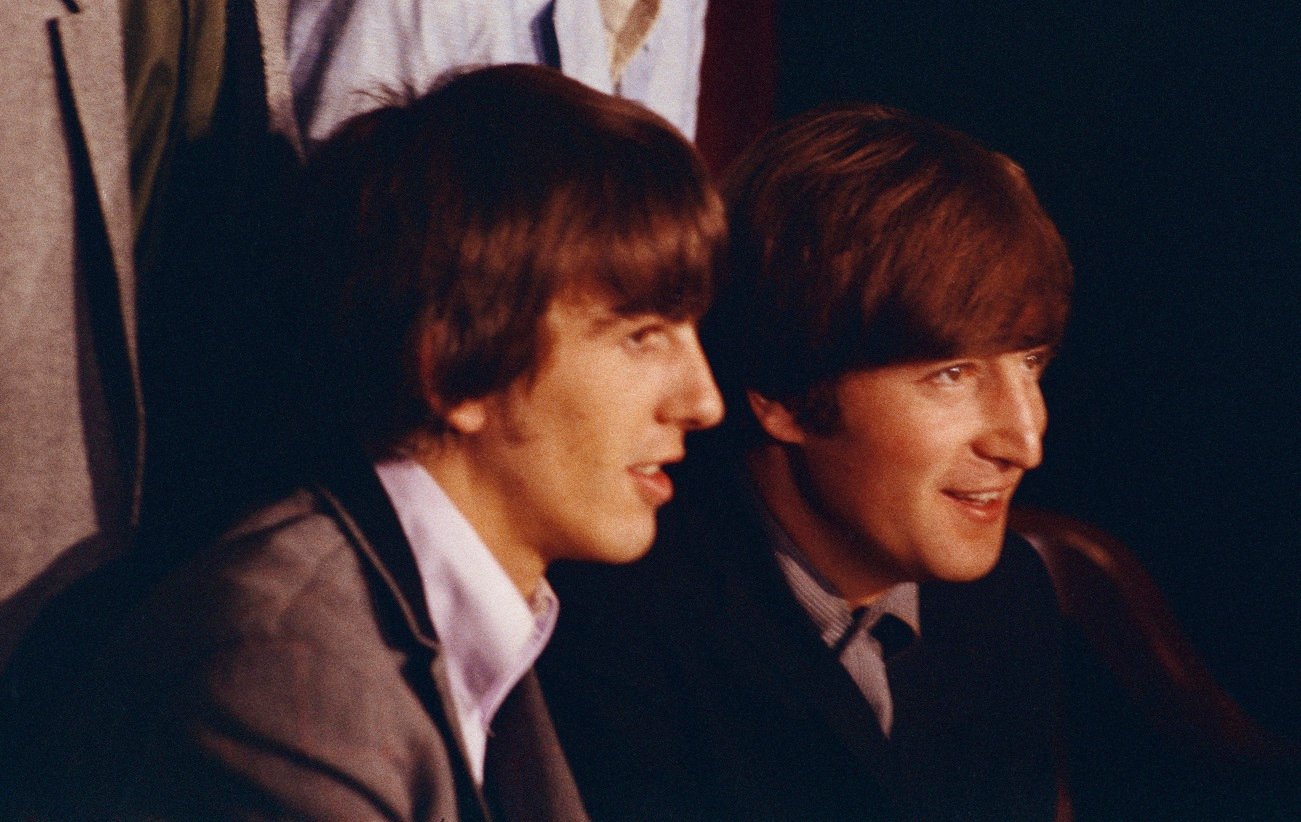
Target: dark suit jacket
[291, 670]
[692, 685]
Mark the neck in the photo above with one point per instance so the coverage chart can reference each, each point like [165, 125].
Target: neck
[450, 465]
[840, 555]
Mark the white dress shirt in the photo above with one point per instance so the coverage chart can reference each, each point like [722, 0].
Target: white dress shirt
[489, 635]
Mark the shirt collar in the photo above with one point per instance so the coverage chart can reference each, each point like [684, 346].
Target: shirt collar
[829, 611]
[489, 634]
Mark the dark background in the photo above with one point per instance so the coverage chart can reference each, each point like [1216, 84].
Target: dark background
[1162, 138]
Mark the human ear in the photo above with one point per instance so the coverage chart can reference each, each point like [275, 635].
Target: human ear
[427, 370]
[776, 419]
[467, 416]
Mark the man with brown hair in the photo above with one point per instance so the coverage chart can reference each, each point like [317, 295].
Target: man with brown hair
[833, 623]
[519, 263]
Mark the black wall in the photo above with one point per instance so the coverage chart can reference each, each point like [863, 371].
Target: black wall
[1163, 139]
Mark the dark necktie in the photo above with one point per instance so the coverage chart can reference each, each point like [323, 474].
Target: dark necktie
[893, 633]
[866, 667]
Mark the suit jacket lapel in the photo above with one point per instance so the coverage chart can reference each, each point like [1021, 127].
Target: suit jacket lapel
[88, 53]
[934, 700]
[775, 642]
[90, 45]
[810, 681]
[921, 677]
[353, 491]
[936, 685]
[527, 776]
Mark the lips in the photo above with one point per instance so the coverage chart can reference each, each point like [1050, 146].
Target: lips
[652, 483]
[983, 505]
[976, 497]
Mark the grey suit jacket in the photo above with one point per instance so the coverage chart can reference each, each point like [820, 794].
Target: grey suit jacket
[71, 409]
[70, 418]
[291, 670]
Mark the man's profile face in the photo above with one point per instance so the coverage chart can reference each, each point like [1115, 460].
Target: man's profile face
[572, 457]
[917, 478]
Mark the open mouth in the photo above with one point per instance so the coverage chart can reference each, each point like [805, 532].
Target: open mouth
[976, 497]
[984, 506]
[653, 484]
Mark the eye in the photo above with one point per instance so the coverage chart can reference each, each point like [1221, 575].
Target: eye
[646, 335]
[1036, 361]
[952, 374]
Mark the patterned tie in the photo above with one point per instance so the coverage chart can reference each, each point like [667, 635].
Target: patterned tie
[867, 667]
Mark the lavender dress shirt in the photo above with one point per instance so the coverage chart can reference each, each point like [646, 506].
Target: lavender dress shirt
[490, 635]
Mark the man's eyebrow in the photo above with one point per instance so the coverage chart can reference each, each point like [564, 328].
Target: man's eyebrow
[600, 319]
[606, 317]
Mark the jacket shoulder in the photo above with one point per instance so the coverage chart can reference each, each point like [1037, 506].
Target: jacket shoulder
[266, 673]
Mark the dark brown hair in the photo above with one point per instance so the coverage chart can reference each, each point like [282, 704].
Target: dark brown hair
[450, 224]
[867, 236]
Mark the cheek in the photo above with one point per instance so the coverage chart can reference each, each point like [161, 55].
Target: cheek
[848, 477]
[876, 476]
[889, 454]
[559, 414]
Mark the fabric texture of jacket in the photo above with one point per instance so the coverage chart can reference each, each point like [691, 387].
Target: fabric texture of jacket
[291, 670]
[71, 424]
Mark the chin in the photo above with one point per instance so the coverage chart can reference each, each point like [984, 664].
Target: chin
[974, 562]
[622, 547]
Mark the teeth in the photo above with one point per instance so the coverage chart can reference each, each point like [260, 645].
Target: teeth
[647, 470]
[982, 497]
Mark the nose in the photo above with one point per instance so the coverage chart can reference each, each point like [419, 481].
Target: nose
[695, 402]
[1017, 419]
